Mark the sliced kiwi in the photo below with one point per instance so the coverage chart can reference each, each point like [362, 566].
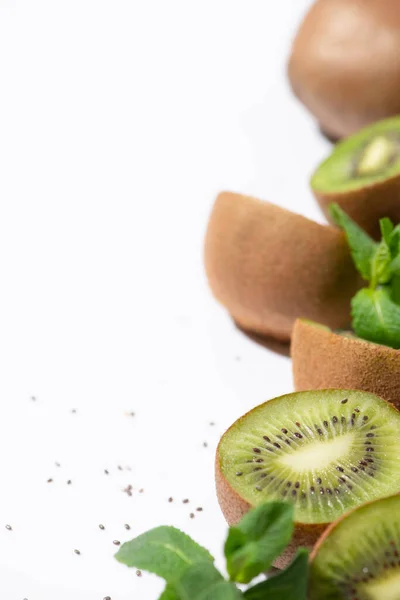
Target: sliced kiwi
[344, 63]
[326, 359]
[324, 451]
[267, 266]
[363, 175]
[358, 557]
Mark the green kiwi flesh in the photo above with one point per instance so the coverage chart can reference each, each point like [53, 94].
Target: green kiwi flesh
[324, 451]
[367, 157]
[358, 558]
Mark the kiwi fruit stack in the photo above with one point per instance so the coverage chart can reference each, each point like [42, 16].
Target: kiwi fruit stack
[326, 359]
[268, 266]
[344, 64]
[358, 557]
[326, 452]
[362, 175]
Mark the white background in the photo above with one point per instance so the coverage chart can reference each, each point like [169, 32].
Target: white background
[119, 123]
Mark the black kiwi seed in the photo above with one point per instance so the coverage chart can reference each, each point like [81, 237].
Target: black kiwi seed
[320, 431]
[284, 430]
[337, 491]
[370, 435]
[276, 445]
[294, 493]
[257, 450]
[257, 469]
[343, 420]
[319, 480]
[298, 424]
[334, 419]
[322, 491]
[370, 449]
[365, 418]
[354, 469]
[326, 424]
[258, 488]
[259, 460]
[287, 442]
[329, 491]
[298, 435]
[297, 485]
[239, 474]
[344, 401]
[289, 484]
[342, 479]
[266, 438]
[340, 469]
[284, 493]
[312, 489]
[357, 410]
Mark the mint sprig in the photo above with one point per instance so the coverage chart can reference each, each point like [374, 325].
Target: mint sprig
[376, 310]
[250, 549]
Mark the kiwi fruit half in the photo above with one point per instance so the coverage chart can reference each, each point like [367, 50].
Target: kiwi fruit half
[326, 359]
[267, 266]
[344, 65]
[324, 451]
[363, 176]
[357, 558]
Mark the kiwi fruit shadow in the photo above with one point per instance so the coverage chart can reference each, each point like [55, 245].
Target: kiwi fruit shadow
[270, 343]
[324, 451]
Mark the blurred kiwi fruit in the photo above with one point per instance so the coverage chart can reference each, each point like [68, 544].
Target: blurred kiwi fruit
[344, 65]
[362, 175]
[357, 558]
[326, 359]
[268, 266]
[326, 452]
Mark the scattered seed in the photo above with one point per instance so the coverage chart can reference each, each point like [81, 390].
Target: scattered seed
[73, 411]
[128, 490]
[57, 464]
[101, 527]
[185, 501]
[50, 480]
[69, 482]
[106, 472]
[116, 543]
[170, 499]
[212, 423]
[141, 491]
[8, 527]
[77, 552]
[119, 468]
[191, 515]
[205, 445]
[139, 573]
[107, 598]
[199, 509]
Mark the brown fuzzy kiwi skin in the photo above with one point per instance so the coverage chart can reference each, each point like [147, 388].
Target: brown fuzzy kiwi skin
[268, 266]
[344, 63]
[324, 359]
[366, 205]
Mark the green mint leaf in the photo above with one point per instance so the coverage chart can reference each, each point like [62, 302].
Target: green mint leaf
[169, 593]
[203, 582]
[257, 540]
[381, 270]
[362, 246]
[376, 317]
[291, 584]
[387, 228]
[395, 288]
[164, 551]
[395, 265]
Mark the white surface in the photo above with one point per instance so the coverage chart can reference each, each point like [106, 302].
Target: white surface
[119, 123]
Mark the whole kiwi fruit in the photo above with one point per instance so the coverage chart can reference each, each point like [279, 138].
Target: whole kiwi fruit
[362, 175]
[326, 359]
[325, 452]
[268, 266]
[344, 65]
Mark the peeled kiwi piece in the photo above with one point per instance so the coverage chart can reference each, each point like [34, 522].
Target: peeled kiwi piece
[363, 176]
[357, 558]
[326, 359]
[267, 266]
[324, 451]
[344, 64]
